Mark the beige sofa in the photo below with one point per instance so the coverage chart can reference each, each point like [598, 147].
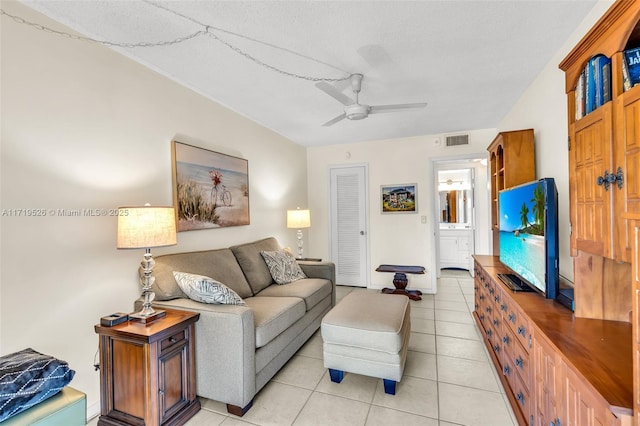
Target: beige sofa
[240, 348]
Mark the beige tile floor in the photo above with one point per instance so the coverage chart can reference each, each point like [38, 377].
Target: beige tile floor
[448, 379]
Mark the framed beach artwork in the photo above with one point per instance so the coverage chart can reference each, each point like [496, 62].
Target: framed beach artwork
[210, 189]
[399, 198]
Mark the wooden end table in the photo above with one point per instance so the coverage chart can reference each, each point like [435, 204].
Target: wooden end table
[400, 280]
[147, 371]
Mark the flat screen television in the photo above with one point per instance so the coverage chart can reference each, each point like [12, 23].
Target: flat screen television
[529, 237]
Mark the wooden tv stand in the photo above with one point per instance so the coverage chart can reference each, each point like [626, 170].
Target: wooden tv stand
[556, 369]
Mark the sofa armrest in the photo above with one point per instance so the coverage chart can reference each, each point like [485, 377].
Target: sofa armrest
[225, 350]
[324, 270]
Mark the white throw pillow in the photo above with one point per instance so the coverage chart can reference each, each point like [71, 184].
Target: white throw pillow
[283, 266]
[206, 290]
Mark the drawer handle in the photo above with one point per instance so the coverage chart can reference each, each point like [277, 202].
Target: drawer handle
[489, 333]
[520, 362]
[506, 370]
[505, 339]
[512, 318]
[522, 331]
[497, 299]
[496, 348]
[491, 291]
[503, 307]
[481, 317]
[172, 339]
[488, 309]
[482, 297]
[520, 398]
[495, 322]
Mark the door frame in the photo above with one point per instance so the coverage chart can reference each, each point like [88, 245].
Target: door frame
[456, 162]
[367, 247]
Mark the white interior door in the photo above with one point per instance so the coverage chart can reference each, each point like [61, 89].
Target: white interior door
[349, 239]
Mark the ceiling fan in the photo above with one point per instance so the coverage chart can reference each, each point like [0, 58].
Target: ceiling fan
[354, 110]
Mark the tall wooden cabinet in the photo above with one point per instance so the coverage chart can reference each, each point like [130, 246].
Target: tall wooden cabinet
[604, 156]
[604, 187]
[513, 161]
[604, 143]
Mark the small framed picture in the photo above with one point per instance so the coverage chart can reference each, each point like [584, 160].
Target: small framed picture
[401, 198]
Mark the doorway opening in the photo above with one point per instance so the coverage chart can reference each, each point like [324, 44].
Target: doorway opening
[462, 224]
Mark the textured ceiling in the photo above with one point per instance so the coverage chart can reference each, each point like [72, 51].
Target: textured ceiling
[469, 60]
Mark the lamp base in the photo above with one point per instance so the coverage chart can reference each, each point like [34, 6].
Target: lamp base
[145, 319]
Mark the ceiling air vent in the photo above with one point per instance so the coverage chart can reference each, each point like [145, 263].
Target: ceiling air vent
[456, 140]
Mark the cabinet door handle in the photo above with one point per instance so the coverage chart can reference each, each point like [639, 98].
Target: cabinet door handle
[520, 362]
[610, 178]
[618, 177]
[604, 180]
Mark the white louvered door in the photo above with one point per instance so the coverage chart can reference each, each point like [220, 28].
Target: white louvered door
[349, 239]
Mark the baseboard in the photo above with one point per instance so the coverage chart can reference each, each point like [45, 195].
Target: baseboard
[93, 410]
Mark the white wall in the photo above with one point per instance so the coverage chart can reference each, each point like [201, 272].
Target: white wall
[85, 127]
[543, 107]
[401, 238]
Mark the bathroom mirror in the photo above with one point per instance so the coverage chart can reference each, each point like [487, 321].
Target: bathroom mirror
[455, 196]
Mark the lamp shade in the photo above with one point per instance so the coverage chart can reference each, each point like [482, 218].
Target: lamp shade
[146, 227]
[298, 219]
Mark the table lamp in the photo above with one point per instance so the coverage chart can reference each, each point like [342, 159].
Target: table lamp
[299, 219]
[146, 227]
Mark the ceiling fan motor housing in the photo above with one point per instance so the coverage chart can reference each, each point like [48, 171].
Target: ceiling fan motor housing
[357, 111]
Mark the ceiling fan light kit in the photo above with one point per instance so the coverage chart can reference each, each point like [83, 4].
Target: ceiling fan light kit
[353, 109]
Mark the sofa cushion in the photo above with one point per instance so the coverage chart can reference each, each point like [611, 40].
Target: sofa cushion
[282, 266]
[253, 265]
[221, 265]
[311, 290]
[27, 378]
[273, 315]
[206, 290]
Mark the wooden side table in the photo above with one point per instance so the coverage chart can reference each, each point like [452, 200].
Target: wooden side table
[400, 280]
[147, 372]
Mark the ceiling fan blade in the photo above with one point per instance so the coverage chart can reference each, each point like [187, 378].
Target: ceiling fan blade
[334, 93]
[335, 120]
[377, 109]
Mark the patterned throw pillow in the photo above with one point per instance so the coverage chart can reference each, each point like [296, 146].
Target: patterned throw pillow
[27, 378]
[283, 266]
[206, 290]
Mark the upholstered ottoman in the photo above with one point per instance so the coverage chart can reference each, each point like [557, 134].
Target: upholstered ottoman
[367, 333]
[66, 408]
